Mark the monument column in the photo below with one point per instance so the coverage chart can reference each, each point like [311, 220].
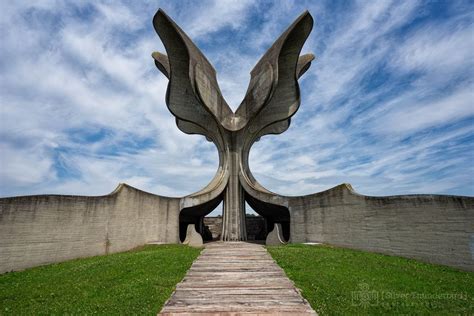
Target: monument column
[194, 98]
[233, 222]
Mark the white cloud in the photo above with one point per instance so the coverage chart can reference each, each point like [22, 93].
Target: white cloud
[219, 14]
[434, 113]
[357, 135]
[24, 167]
[437, 48]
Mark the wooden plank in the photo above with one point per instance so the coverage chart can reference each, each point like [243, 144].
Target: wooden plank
[237, 284]
[240, 273]
[235, 291]
[231, 298]
[285, 310]
[236, 278]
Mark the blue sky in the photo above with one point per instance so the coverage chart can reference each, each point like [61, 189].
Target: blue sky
[387, 106]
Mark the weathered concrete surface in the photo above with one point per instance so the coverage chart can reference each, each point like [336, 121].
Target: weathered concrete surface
[43, 229]
[433, 228]
[275, 237]
[236, 278]
[194, 98]
[193, 238]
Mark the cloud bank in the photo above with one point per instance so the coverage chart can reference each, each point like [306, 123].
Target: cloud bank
[387, 106]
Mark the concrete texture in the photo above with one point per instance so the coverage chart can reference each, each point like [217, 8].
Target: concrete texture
[275, 237]
[236, 278]
[41, 229]
[193, 238]
[432, 228]
[193, 96]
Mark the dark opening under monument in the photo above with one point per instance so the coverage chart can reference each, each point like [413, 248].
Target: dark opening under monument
[42, 229]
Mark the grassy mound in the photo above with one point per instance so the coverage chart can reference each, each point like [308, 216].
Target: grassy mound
[342, 281]
[134, 282]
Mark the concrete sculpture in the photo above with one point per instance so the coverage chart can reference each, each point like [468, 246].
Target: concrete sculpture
[42, 229]
[193, 238]
[275, 237]
[272, 97]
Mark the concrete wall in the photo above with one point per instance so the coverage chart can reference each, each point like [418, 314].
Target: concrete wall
[43, 229]
[433, 228]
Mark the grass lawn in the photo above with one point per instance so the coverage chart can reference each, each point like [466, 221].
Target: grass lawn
[134, 282]
[342, 281]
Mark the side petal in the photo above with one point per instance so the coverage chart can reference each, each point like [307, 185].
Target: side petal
[304, 62]
[162, 63]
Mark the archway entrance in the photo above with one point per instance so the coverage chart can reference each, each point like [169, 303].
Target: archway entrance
[272, 214]
[195, 215]
[257, 225]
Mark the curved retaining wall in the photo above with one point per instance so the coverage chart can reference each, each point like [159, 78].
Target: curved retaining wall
[36, 230]
[41, 229]
[433, 228]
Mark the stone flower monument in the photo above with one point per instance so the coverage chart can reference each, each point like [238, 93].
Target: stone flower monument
[272, 98]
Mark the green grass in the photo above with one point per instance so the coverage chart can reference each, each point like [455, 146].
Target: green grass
[134, 282]
[339, 281]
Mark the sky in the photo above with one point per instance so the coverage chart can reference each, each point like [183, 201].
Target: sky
[387, 106]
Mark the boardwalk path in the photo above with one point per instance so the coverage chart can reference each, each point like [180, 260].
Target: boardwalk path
[236, 278]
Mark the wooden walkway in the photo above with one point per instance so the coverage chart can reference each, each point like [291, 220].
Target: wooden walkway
[236, 278]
